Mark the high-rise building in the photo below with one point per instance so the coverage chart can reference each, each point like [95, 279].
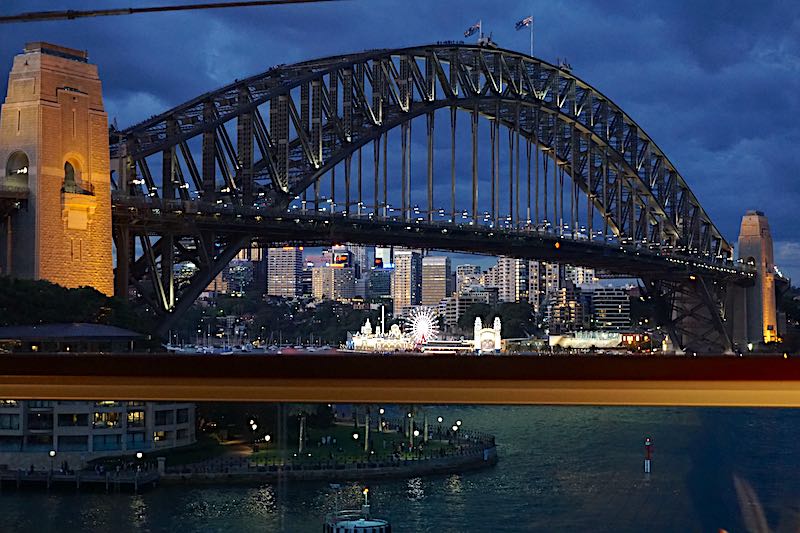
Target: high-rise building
[453, 307]
[362, 257]
[611, 308]
[218, 285]
[544, 279]
[333, 282]
[252, 253]
[384, 255]
[566, 310]
[510, 276]
[436, 279]
[305, 281]
[580, 275]
[467, 276]
[379, 283]
[407, 280]
[283, 271]
[239, 275]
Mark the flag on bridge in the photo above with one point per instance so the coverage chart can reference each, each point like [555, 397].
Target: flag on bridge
[473, 29]
[524, 23]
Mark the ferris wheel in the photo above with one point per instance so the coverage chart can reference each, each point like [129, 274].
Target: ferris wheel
[422, 325]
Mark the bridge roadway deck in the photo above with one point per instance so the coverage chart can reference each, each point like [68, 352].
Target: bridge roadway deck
[762, 381]
[303, 228]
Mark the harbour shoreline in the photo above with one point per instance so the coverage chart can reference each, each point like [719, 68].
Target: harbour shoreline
[477, 460]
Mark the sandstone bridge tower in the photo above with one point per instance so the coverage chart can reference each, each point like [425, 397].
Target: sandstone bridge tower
[55, 192]
[755, 318]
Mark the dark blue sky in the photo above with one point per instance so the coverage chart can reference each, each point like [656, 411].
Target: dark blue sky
[714, 83]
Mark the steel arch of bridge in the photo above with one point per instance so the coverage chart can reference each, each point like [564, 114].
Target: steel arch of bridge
[294, 124]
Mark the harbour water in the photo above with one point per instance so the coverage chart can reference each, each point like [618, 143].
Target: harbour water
[561, 468]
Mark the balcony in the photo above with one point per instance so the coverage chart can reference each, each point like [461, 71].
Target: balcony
[86, 189]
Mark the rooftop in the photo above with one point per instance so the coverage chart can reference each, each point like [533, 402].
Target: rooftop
[57, 50]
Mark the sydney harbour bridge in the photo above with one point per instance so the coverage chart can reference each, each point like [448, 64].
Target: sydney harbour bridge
[449, 146]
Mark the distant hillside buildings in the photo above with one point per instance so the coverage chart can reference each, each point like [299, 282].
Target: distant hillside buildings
[563, 297]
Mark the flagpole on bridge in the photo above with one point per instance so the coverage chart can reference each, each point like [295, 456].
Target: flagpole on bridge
[531, 35]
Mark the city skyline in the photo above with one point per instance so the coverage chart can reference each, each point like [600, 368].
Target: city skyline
[718, 144]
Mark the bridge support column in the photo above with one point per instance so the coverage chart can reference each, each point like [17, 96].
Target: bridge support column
[692, 313]
[753, 307]
[55, 156]
[122, 242]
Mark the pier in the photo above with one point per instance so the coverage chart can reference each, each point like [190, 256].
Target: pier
[125, 481]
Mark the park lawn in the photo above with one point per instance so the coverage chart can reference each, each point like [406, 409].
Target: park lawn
[351, 449]
[206, 447]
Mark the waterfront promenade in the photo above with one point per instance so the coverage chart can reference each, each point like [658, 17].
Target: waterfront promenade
[128, 481]
[466, 458]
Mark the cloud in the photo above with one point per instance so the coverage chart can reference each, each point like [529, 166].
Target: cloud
[787, 257]
[714, 84]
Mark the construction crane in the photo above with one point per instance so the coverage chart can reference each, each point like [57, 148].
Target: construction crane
[39, 16]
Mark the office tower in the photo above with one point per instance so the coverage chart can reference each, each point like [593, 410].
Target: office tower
[436, 279]
[566, 311]
[407, 280]
[544, 279]
[611, 308]
[510, 276]
[384, 256]
[467, 276]
[333, 282]
[283, 271]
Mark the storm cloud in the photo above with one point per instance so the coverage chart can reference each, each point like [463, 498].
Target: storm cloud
[715, 84]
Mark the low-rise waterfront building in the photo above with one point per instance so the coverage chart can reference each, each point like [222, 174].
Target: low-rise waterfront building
[80, 431]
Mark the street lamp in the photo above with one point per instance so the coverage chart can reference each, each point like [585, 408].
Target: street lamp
[381, 410]
[52, 456]
[355, 436]
[254, 427]
[440, 419]
[139, 456]
[267, 437]
[458, 423]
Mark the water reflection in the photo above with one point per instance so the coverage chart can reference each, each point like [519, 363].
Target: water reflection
[261, 501]
[138, 512]
[560, 469]
[415, 491]
[454, 484]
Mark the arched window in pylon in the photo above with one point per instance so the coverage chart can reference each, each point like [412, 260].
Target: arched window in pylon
[72, 180]
[17, 171]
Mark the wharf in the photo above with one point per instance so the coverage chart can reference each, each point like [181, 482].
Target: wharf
[110, 481]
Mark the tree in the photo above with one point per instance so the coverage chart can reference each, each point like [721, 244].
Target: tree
[467, 320]
[517, 319]
[30, 302]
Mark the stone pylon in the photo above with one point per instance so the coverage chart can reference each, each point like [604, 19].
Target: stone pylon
[753, 309]
[54, 148]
